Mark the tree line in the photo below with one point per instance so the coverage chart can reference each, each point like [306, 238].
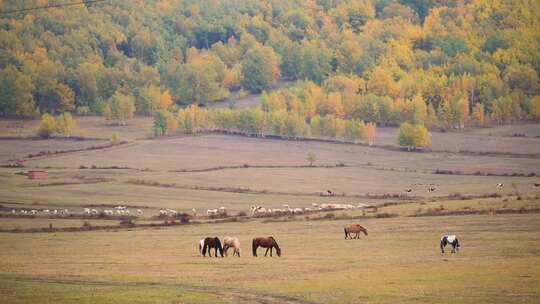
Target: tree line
[445, 64]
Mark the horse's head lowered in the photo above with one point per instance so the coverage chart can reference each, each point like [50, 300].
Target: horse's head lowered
[278, 250]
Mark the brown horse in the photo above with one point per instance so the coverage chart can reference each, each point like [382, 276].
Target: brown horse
[209, 243]
[265, 242]
[354, 228]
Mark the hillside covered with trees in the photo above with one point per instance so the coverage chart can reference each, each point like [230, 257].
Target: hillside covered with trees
[439, 63]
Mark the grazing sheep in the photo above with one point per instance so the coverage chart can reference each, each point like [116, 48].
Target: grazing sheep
[13, 211]
[222, 211]
[362, 205]
[171, 212]
[431, 189]
[33, 212]
[46, 211]
[139, 212]
[86, 211]
[211, 212]
[500, 185]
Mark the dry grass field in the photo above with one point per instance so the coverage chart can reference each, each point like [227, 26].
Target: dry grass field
[398, 262]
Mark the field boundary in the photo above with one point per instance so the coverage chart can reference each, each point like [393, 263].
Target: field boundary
[356, 143]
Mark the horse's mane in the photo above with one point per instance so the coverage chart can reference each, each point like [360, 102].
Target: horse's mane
[275, 242]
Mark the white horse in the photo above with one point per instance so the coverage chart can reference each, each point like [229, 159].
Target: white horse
[233, 242]
[452, 240]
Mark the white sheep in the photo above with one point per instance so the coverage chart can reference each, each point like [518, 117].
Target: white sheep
[139, 212]
[222, 210]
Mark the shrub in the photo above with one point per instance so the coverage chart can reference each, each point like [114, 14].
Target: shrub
[115, 138]
[311, 157]
[47, 127]
[65, 124]
[413, 136]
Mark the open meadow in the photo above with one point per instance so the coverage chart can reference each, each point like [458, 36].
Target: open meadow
[399, 261]
[81, 258]
[384, 151]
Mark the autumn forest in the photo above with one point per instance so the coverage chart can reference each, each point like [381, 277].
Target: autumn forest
[444, 64]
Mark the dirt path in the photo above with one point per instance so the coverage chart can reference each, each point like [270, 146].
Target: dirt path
[234, 295]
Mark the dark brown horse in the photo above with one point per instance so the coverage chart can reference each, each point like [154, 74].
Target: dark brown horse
[354, 228]
[265, 242]
[209, 243]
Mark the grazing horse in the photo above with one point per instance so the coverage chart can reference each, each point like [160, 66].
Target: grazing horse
[209, 243]
[265, 242]
[233, 242]
[452, 240]
[354, 228]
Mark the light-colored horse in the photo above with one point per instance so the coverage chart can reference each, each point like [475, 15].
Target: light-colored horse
[231, 242]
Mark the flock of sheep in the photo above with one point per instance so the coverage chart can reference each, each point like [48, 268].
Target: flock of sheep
[255, 210]
[118, 210]
[221, 211]
[57, 212]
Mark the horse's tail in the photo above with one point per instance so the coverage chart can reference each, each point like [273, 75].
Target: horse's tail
[205, 246]
[345, 230]
[254, 247]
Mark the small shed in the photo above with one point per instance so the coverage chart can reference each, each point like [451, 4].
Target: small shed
[37, 174]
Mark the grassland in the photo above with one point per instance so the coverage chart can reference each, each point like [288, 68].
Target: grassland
[398, 262]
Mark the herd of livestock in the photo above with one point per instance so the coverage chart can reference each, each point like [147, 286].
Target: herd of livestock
[207, 244]
[124, 211]
[121, 211]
